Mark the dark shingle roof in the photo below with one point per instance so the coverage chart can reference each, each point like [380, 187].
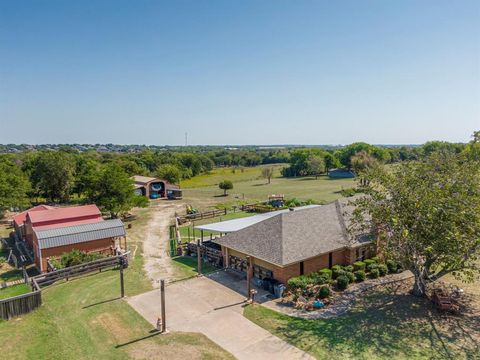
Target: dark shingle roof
[294, 236]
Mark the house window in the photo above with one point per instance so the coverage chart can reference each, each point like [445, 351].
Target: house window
[301, 268]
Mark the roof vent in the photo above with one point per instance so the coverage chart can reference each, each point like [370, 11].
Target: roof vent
[291, 209]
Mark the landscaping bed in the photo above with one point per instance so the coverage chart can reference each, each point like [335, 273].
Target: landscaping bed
[321, 289]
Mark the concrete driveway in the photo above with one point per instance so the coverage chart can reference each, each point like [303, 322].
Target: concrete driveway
[207, 305]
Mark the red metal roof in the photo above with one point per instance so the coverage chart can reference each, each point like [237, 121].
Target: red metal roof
[63, 215]
[66, 223]
[19, 219]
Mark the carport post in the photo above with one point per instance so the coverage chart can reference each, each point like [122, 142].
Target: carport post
[162, 300]
[199, 258]
[249, 288]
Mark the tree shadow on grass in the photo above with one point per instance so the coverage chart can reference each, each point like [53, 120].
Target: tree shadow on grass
[387, 325]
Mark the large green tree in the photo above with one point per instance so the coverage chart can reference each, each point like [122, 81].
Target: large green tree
[14, 186]
[427, 216]
[169, 172]
[113, 191]
[52, 174]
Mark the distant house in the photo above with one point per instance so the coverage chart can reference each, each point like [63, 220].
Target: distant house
[154, 188]
[341, 174]
[51, 232]
[292, 243]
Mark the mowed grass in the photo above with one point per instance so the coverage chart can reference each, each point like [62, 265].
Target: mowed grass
[235, 174]
[14, 290]
[383, 325]
[322, 190]
[186, 267]
[85, 319]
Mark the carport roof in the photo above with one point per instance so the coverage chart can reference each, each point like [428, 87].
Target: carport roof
[239, 224]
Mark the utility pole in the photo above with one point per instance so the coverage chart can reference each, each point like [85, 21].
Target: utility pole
[162, 300]
[186, 139]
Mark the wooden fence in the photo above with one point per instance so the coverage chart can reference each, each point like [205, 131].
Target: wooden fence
[78, 270]
[21, 304]
[200, 216]
[211, 255]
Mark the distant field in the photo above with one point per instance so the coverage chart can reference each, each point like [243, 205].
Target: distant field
[235, 174]
[321, 190]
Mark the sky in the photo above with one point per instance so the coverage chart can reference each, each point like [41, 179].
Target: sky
[239, 72]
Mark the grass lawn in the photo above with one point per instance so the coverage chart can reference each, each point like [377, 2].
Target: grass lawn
[85, 319]
[186, 267]
[14, 291]
[234, 174]
[321, 190]
[383, 325]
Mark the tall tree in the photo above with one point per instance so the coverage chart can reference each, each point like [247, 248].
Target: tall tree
[427, 216]
[113, 191]
[169, 172]
[362, 162]
[225, 185]
[315, 165]
[53, 175]
[267, 173]
[14, 186]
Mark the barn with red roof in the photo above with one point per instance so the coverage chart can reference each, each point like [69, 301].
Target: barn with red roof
[53, 231]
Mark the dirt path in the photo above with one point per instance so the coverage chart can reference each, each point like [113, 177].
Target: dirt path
[155, 244]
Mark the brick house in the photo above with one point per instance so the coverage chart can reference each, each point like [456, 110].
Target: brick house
[296, 242]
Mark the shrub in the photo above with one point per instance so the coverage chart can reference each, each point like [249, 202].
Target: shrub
[376, 259]
[323, 292]
[342, 282]
[326, 272]
[77, 257]
[374, 273]
[360, 275]
[348, 268]
[359, 265]
[351, 276]
[383, 269]
[372, 266]
[369, 262]
[337, 270]
[298, 282]
[392, 266]
[318, 278]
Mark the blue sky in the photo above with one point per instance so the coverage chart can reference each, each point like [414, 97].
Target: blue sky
[239, 72]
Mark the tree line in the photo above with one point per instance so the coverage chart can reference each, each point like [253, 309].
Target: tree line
[358, 156]
[66, 175]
